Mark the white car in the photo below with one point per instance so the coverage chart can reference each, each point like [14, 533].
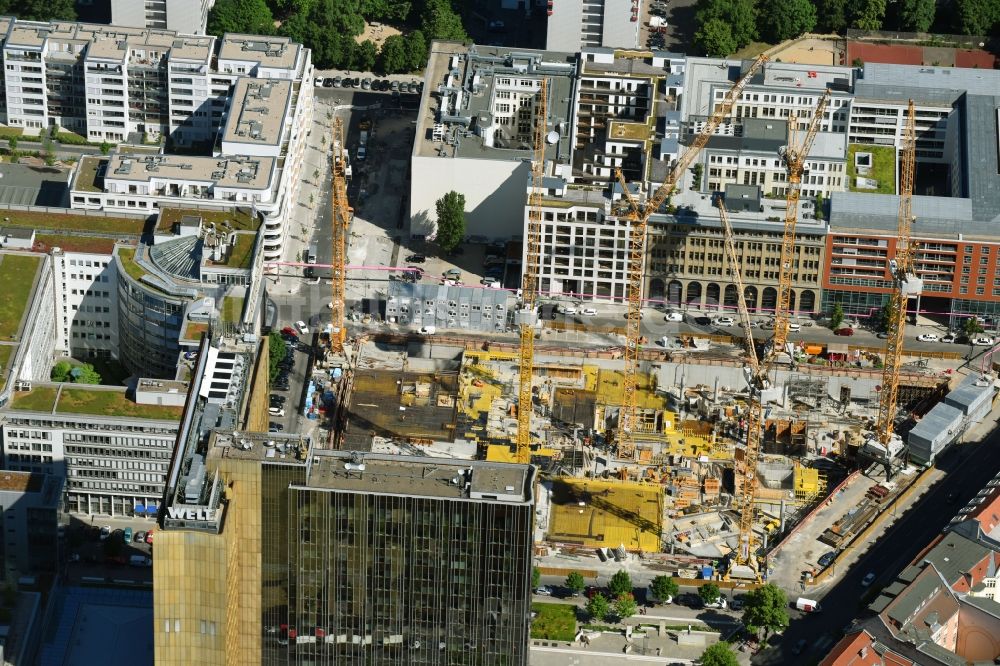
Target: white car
[673, 316]
[928, 337]
[588, 312]
[318, 82]
[718, 603]
[725, 321]
[302, 328]
[105, 532]
[428, 330]
[983, 342]
[566, 309]
[276, 411]
[793, 327]
[544, 591]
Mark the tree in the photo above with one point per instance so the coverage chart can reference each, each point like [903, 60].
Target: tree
[85, 374]
[450, 220]
[664, 587]
[709, 593]
[275, 353]
[718, 18]
[416, 50]
[105, 147]
[439, 21]
[365, 56]
[779, 20]
[883, 317]
[598, 607]
[392, 11]
[292, 7]
[60, 371]
[836, 316]
[831, 15]
[718, 654]
[39, 10]
[49, 152]
[394, 58]
[765, 608]
[698, 170]
[915, 15]
[971, 326]
[625, 606]
[575, 583]
[975, 17]
[12, 143]
[869, 15]
[820, 204]
[621, 583]
[536, 577]
[246, 16]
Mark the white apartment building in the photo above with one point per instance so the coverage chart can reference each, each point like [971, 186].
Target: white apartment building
[86, 312]
[574, 25]
[106, 82]
[188, 16]
[113, 452]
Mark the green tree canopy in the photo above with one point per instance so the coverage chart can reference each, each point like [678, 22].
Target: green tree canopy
[715, 38]
[869, 14]
[394, 58]
[575, 582]
[60, 371]
[536, 577]
[975, 17]
[785, 19]
[709, 593]
[598, 607]
[275, 352]
[450, 220]
[625, 606]
[836, 316]
[716, 18]
[85, 374]
[971, 326]
[439, 21]
[39, 10]
[765, 608]
[389, 11]
[249, 16]
[365, 56]
[416, 50]
[831, 15]
[915, 15]
[718, 654]
[621, 583]
[664, 587]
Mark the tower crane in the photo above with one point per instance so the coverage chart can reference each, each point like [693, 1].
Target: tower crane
[638, 215]
[529, 282]
[746, 461]
[342, 213]
[905, 284]
[794, 157]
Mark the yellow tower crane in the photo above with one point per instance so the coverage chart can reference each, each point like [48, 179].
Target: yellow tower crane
[746, 460]
[529, 281]
[905, 285]
[342, 213]
[638, 216]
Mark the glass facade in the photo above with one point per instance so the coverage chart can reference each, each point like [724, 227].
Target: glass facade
[149, 326]
[362, 578]
[862, 303]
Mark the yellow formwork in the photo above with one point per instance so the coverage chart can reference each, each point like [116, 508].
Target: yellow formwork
[806, 480]
[502, 453]
[596, 513]
[610, 387]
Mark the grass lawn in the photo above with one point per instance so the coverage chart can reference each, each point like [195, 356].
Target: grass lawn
[752, 50]
[127, 258]
[239, 219]
[77, 243]
[556, 622]
[6, 353]
[232, 308]
[86, 174]
[17, 275]
[883, 167]
[242, 252]
[193, 331]
[40, 399]
[58, 221]
[111, 403]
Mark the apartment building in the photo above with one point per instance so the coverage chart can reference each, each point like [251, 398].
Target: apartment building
[110, 445]
[86, 312]
[188, 16]
[475, 132]
[575, 25]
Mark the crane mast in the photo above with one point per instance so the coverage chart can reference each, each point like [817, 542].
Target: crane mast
[795, 157]
[746, 460]
[638, 214]
[342, 213]
[529, 281]
[903, 287]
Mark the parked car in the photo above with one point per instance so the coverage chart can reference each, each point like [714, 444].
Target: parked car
[826, 559]
[416, 259]
[868, 579]
[881, 335]
[149, 536]
[928, 337]
[337, 81]
[588, 312]
[673, 316]
[725, 321]
[105, 532]
[140, 537]
[544, 591]
[718, 603]
[844, 331]
[702, 321]
[949, 338]
[366, 84]
[275, 427]
[301, 326]
[453, 274]
[276, 411]
[127, 535]
[566, 309]
[794, 327]
[800, 645]
[318, 82]
[279, 399]
[428, 330]
[983, 342]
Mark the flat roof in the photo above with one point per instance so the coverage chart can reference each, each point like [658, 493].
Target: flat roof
[268, 51]
[421, 477]
[19, 273]
[22, 482]
[252, 173]
[258, 111]
[936, 217]
[88, 400]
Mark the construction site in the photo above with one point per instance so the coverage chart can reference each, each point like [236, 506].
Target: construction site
[711, 453]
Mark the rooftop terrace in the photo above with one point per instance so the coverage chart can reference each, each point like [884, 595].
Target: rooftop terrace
[252, 173]
[109, 401]
[257, 112]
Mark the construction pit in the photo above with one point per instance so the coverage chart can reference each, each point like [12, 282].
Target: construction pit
[675, 491]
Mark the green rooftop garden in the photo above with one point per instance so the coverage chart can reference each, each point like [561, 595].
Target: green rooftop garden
[6, 354]
[127, 258]
[556, 622]
[38, 399]
[59, 221]
[242, 253]
[193, 331]
[86, 174]
[77, 243]
[105, 402]
[882, 168]
[232, 308]
[239, 219]
[17, 277]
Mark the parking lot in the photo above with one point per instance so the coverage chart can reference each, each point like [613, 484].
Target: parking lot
[98, 550]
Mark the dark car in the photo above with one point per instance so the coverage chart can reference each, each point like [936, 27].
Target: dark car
[844, 331]
[416, 259]
[826, 559]
[275, 427]
[800, 645]
[703, 321]
[328, 83]
[310, 272]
